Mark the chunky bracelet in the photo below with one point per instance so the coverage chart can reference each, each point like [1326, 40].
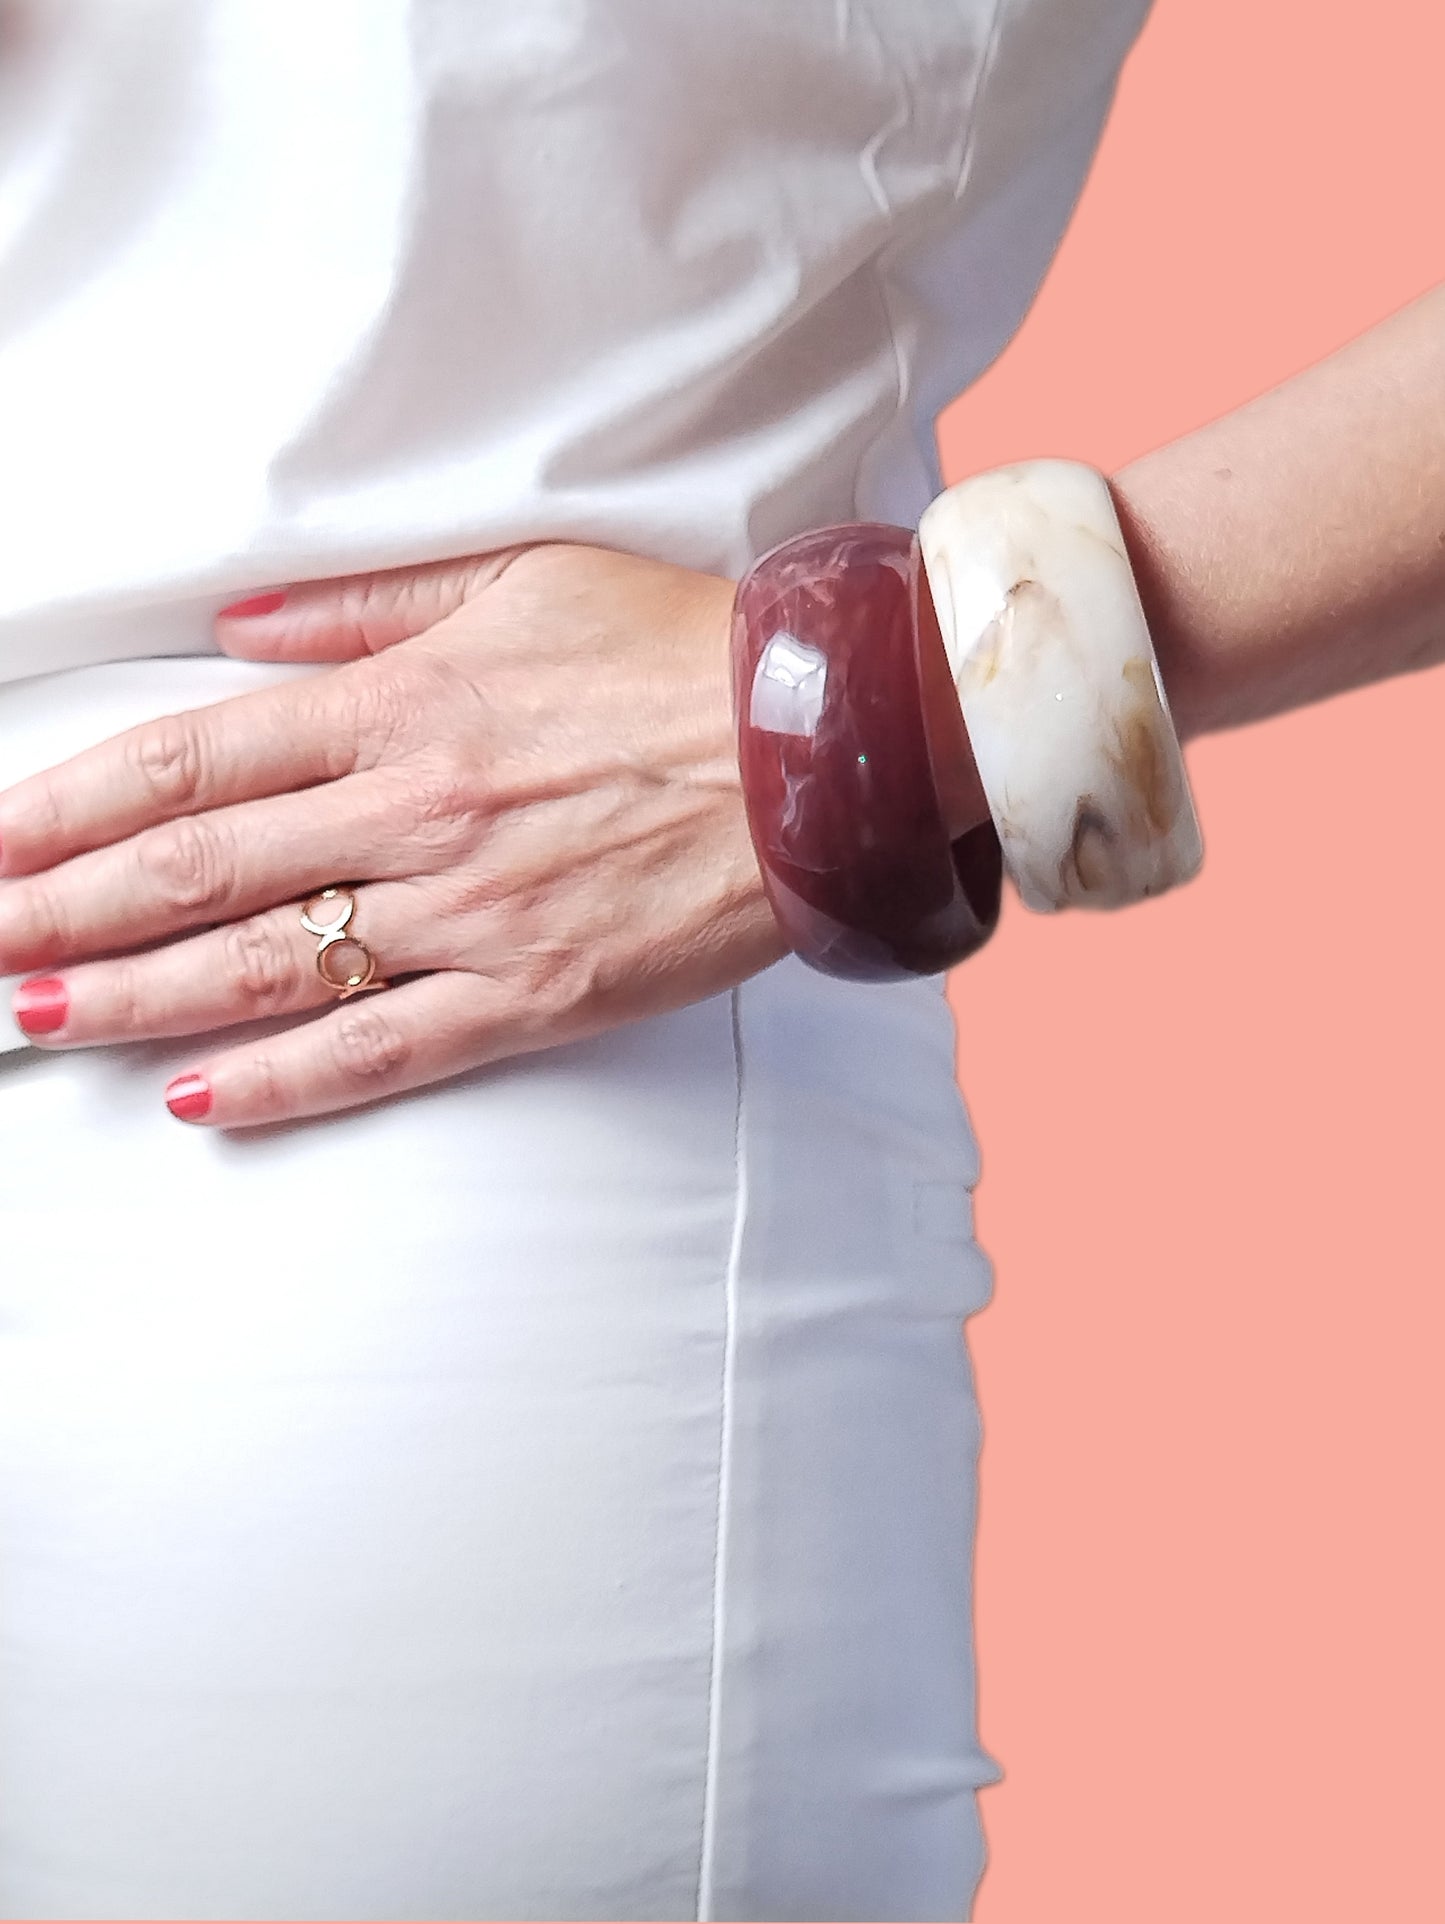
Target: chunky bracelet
[847, 718]
[1059, 686]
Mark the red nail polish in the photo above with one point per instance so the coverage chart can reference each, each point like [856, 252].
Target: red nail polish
[254, 605]
[189, 1097]
[41, 1005]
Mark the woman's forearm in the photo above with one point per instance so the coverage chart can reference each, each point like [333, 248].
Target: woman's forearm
[1296, 547]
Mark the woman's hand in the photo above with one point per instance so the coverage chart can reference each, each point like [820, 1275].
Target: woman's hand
[525, 767]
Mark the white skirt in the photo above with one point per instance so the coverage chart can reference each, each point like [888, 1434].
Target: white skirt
[550, 1495]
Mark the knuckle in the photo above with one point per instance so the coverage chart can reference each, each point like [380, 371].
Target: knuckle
[443, 804]
[35, 817]
[549, 981]
[381, 714]
[368, 1048]
[439, 791]
[127, 1004]
[266, 1092]
[259, 964]
[44, 926]
[393, 602]
[538, 974]
[487, 892]
[185, 864]
[166, 756]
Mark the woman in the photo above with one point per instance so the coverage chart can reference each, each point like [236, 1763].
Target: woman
[541, 1487]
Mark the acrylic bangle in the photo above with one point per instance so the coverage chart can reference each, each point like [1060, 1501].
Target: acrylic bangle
[1059, 686]
[846, 719]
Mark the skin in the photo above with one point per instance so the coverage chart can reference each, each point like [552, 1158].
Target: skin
[1295, 548]
[526, 760]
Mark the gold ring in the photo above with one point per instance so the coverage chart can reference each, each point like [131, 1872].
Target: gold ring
[344, 964]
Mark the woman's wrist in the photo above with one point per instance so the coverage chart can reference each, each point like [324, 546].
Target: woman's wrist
[1161, 528]
[1295, 548]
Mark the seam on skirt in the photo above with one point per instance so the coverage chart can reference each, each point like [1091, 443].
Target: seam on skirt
[708, 1848]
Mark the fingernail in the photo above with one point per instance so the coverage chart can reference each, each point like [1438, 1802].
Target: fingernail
[42, 1005]
[188, 1097]
[254, 605]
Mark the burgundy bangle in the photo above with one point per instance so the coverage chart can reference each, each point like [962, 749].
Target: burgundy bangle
[843, 702]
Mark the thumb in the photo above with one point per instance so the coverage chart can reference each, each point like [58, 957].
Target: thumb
[359, 615]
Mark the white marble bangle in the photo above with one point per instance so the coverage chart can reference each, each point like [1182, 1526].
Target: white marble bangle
[1059, 686]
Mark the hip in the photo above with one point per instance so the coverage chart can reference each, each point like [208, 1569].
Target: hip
[599, 1423]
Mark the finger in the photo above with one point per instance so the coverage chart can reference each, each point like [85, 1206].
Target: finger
[361, 615]
[248, 971]
[287, 737]
[216, 868]
[376, 1045]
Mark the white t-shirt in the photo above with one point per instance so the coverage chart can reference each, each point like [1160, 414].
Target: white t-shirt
[294, 288]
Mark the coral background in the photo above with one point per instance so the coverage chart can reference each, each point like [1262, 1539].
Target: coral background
[1211, 1579]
